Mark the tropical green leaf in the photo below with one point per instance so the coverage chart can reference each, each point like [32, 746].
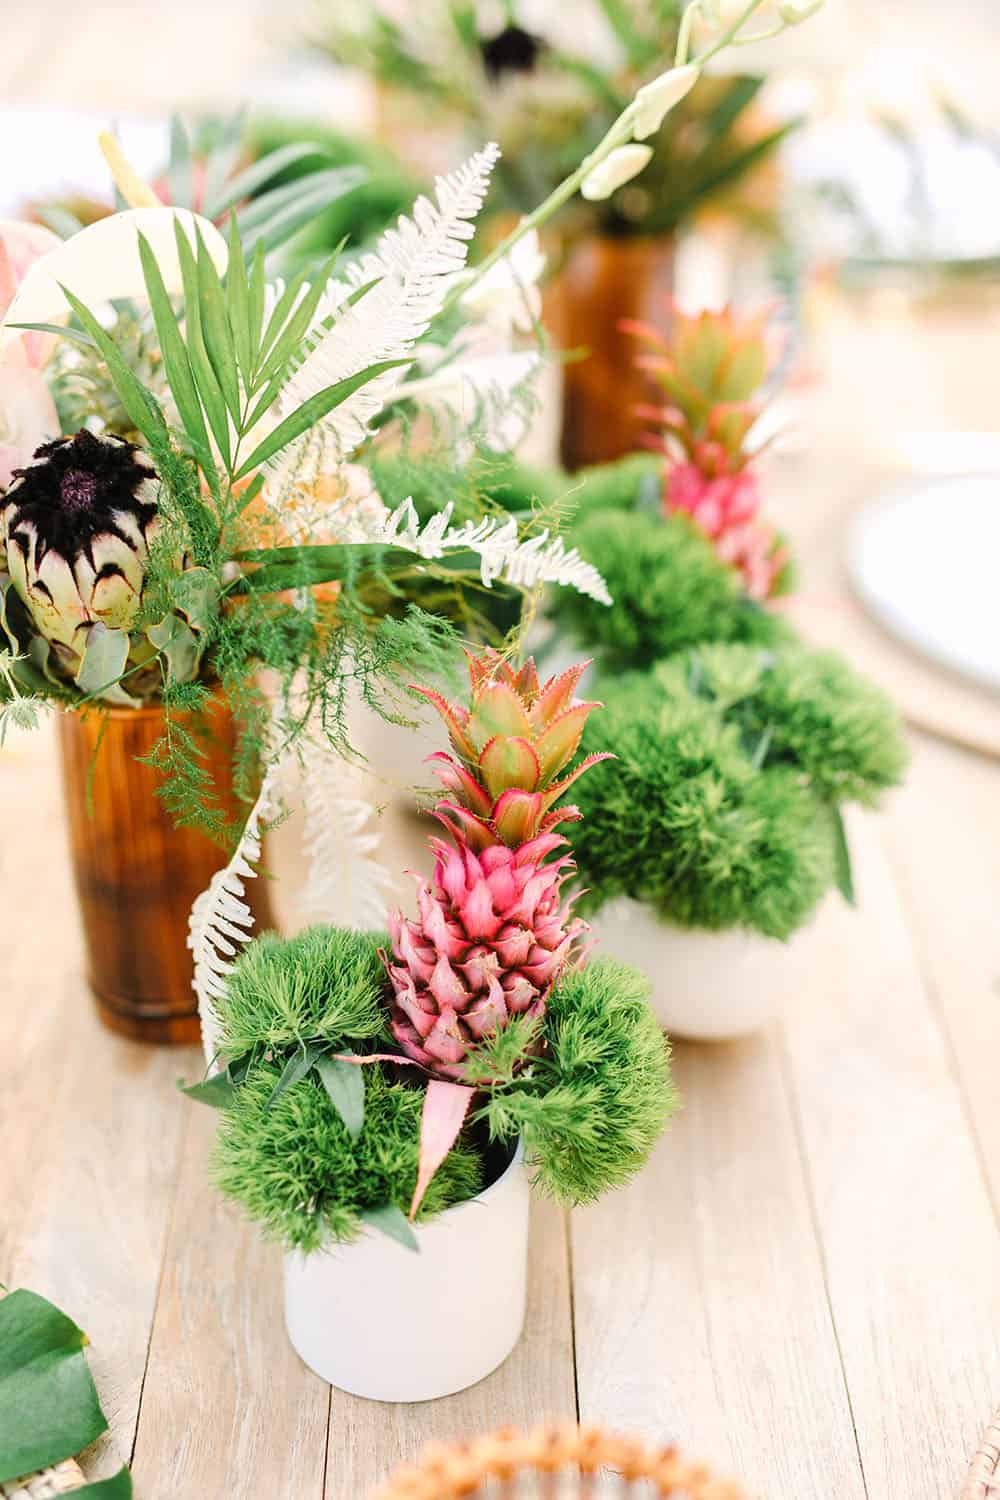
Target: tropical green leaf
[76, 334]
[118, 1487]
[176, 363]
[842, 857]
[345, 1084]
[238, 305]
[246, 183]
[296, 1068]
[392, 1221]
[209, 389]
[215, 330]
[255, 300]
[48, 1405]
[217, 1092]
[274, 218]
[313, 411]
[103, 660]
[142, 410]
[289, 337]
[180, 168]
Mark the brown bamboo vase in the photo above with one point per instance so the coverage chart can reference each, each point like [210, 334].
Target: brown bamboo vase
[136, 873]
[602, 281]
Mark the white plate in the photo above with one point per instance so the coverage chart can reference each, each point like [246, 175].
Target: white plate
[926, 563]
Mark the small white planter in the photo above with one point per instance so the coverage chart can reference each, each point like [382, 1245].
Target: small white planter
[384, 1322]
[707, 986]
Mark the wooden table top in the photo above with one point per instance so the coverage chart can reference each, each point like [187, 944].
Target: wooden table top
[803, 1286]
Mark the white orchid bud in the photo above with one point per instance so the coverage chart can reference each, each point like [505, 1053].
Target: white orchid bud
[617, 168]
[655, 100]
[794, 12]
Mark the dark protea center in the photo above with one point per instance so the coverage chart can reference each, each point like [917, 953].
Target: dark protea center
[77, 489]
[512, 50]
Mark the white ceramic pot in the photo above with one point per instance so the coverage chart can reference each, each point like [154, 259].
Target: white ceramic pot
[380, 1321]
[707, 986]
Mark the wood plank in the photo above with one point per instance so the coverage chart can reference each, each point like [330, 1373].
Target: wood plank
[90, 1123]
[701, 1315]
[908, 1233]
[228, 1409]
[943, 833]
[368, 1439]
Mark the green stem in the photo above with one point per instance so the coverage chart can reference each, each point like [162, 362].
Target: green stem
[616, 136]
[730, 36]
[684, 33]
[759, 36]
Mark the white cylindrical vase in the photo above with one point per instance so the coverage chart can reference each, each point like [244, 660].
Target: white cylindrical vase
[706, 986]
[381, 1321]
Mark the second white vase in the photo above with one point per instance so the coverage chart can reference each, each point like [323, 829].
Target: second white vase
[706, 986]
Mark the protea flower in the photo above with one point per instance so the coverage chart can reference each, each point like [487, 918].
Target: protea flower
[75, 530]
[510, 746]
[493, 934]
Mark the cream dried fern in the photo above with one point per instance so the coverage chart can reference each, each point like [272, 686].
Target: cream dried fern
[221, 921]
[412, 270]
[345, 883]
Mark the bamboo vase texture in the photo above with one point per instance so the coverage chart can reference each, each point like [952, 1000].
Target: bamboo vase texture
[602, 281]
[137, 874]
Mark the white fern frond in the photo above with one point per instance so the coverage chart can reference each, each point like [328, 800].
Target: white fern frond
[346, 884]
[524, 564]
[412, 267]
[486, 396]
[221, 922]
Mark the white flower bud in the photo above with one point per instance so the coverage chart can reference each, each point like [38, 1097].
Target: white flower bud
[655, 100]
[794, 12]
[620, 166]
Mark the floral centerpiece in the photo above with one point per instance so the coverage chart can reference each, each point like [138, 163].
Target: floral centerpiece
[547, 83]
[402, 1084]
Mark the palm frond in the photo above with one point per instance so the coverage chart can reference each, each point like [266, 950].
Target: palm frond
[409, 274]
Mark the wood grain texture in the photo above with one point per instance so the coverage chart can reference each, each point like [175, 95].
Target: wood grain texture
[228, 1410]
[368, 1439]
[908, 1233]
[701, 1314]
[90, 1125]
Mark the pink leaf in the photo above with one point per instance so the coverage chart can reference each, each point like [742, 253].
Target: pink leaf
[445, 1108]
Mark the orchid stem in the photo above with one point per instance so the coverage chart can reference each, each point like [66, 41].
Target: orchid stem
[731, 35]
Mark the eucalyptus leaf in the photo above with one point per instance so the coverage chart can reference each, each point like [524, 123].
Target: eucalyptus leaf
[391, 1221]
[345, 1084]
[48, 1404]
[195, 592]
[178, 645]
[103, 660]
